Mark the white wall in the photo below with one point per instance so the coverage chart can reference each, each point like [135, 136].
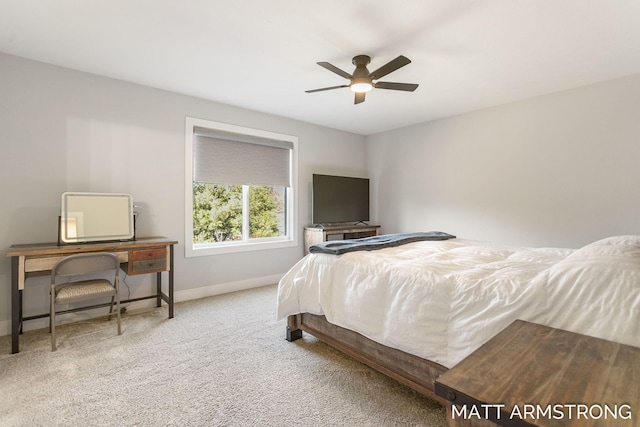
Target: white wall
[556, 170]
[63, 130]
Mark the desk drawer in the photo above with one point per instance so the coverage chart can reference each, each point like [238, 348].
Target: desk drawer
[46, 263]
[144, 261]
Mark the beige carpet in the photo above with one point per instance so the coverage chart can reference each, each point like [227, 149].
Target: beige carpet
[222, 361]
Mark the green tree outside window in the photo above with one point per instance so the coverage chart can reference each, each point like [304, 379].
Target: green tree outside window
[218, 212]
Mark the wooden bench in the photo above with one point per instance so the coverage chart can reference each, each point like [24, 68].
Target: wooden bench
[534, 375]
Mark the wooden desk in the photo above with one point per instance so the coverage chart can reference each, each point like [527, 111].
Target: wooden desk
[141, 256]
[534, 375]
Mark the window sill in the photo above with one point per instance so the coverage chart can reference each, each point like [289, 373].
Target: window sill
[231, 247]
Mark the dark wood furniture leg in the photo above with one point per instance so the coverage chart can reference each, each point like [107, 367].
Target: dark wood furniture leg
[293, 332]
[159, 289]
[170, 281]
[16, 307]
[159, 295]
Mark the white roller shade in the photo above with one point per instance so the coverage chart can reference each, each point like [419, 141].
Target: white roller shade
[228, 158]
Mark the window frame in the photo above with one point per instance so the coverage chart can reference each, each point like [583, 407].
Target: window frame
[291, 215]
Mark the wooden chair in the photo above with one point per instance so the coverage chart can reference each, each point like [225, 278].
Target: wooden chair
[68, 285]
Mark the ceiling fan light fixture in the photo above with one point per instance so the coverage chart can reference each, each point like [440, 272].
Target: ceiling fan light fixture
[360, 87]
[361, 80]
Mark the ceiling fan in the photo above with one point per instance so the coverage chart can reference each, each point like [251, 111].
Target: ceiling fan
[362, 81]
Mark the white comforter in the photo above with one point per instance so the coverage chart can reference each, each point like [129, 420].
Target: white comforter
[441, 300]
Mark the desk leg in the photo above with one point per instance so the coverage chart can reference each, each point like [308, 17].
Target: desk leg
[16, 307]
[159, 292]
[159, 285]
[159, 289]
[171, 282]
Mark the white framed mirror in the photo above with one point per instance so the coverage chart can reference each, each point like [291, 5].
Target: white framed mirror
[96, 217]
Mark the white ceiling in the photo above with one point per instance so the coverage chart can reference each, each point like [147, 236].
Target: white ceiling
[261, 55]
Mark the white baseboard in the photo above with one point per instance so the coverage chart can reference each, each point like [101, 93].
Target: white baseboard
[179, 296]
[225, 288]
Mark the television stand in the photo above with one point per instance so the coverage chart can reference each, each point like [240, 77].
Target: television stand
[319, 234]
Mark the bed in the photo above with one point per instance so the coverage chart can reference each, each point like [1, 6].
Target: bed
[414, 311]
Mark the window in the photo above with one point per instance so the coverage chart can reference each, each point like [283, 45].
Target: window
[239, 188]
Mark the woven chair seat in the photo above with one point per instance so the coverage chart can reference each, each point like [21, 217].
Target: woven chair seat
[78, 291]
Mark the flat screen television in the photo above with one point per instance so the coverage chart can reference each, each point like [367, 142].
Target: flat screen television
[95, 217]
[339, 199]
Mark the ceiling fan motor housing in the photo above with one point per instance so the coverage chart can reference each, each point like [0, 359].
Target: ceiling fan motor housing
[361, 71]
[360, 75]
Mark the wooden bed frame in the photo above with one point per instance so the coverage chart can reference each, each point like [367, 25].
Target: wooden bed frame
[412, 371]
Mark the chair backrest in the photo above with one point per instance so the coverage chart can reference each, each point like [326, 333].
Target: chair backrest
[80, 264]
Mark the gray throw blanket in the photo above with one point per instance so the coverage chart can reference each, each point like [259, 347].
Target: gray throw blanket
[338, 247]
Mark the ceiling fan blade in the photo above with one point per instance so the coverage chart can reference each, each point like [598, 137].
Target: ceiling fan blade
[389, 67]
[359, 97]
[335, 69]
[326, 88]
[409, 87]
